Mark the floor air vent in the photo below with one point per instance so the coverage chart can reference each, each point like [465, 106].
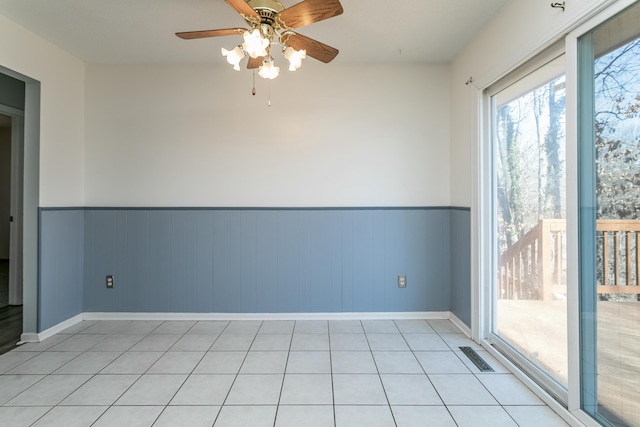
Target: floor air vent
[476, 359]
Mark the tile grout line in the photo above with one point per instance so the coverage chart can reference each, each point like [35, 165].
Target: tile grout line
[333, 390]
[96, 372]
[91, 376]
[50, 374]
[94, 375]
[384, 390]
[431, 382]
[239, 368]
[140, 375]
[188, 374]
[284, 375]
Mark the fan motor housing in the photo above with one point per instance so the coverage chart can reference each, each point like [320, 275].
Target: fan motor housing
[273, 6]
[267, 9]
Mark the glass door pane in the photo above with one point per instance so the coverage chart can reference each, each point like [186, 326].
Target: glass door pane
[530, 290]
[610, 219]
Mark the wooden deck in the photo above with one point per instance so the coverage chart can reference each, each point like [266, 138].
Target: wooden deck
[538, 329]
[619, 360]
[534, 267]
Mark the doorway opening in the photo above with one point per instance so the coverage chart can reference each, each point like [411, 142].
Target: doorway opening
[11, 248]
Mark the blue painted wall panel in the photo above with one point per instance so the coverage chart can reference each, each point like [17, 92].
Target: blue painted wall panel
[221, 260]
[204, 261]
[74, 271]
[336, 262]
[304, 285]
[417, 249]
[320, 265]
[103, 228]
[461, 264]
[120, 290]
[137, 264]
[191, 262]
[159, 260]
[249, 256]
[394, 260]
[253, 260]
[288, 250]
[346, 245]
[235, 262]
[363, 261]
[89, 258]
[380, 249]
[177, 261]
[438, 262]
[61, 266]
[267, 261]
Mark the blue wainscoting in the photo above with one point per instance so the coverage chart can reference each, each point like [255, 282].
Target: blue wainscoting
[461, 264]
[61, 280]
[253, 260]
[267, 260]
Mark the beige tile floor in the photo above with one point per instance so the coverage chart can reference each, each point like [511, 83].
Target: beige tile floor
[343, 373]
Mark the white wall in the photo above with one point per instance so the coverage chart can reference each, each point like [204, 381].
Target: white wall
[335, 135]
[61, 110]
[521, 29]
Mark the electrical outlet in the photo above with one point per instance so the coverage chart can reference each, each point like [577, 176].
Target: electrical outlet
[110, 281]
[402, 281]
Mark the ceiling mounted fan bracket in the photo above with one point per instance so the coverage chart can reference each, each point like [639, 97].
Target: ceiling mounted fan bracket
[267, 11]
[272, 5]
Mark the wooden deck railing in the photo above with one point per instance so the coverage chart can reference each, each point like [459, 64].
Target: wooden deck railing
[535, 266]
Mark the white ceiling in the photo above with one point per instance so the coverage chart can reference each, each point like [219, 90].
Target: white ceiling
[142, 31]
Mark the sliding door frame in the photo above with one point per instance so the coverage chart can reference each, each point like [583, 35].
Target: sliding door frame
[482, 228]
[575, 238]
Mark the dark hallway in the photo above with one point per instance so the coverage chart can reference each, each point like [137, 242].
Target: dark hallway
[10, 315]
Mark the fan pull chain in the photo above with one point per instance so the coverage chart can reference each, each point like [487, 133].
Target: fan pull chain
[253, 91]
[269, 86]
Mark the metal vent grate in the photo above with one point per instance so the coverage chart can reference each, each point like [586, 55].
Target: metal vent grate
[476, 359]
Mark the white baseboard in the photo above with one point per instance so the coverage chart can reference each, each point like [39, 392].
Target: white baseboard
[28, 337]
[41, 336]
[460, 324]
[270, 316]
[411, 315]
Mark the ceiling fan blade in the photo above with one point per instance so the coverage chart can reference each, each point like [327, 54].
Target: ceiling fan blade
[309, 11]
[243, 8]
[314, 48]
[255, 62]
[188, 35]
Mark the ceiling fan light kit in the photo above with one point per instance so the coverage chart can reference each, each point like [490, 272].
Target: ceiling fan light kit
[271, 24]
[234, 56]
[268, 69]
[255, 44]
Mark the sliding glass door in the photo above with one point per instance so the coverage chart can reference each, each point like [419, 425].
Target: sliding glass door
[609, 150]
[529, 302]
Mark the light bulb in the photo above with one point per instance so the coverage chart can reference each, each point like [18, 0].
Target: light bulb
[254, 44]
[294, 57]
[268, 70]
[233, 56]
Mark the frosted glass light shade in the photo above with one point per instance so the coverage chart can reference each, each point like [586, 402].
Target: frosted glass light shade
[254, 44]
[294, 57]
[233, 56]
[268, 70]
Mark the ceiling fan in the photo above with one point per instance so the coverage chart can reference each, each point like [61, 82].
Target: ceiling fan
[271, 24]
